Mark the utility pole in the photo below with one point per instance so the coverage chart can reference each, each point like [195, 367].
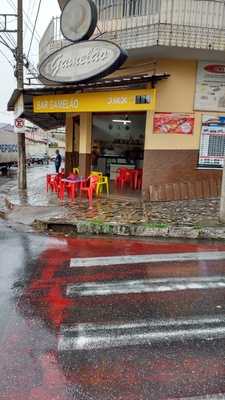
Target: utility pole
[22, 173]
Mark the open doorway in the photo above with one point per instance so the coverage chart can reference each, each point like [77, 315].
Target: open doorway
[117, 142]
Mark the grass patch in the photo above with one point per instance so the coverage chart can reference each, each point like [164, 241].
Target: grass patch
[155, 225]
[96, 221]
[197, 226]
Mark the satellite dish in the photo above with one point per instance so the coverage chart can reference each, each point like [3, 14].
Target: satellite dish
[78, 20]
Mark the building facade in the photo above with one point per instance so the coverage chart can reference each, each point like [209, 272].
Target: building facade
[179, 141]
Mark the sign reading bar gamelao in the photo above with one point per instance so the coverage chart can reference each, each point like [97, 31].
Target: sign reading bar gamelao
[80, 62]
[123, 100]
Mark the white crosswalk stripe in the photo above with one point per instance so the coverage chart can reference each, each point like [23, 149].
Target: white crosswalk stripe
[146, 258]
[85, 337]
[145, 286]
[207, 397]
[100, 336]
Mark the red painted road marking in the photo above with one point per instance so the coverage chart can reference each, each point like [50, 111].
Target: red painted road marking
[117, 374]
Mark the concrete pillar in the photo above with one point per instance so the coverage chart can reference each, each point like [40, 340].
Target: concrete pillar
[85, 144]
[72, 142]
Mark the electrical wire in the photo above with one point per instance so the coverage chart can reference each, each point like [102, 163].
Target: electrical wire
[9, 36]
[10, 42]
[10, 62]
[8, 39]
[5, 43]
[31, 69]
[27, 21]
[30, 13]
[35, 23]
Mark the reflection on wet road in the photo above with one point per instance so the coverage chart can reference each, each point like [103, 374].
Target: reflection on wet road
[77, 329]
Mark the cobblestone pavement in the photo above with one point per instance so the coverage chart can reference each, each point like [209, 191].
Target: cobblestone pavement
[189, 213]
[118, 208]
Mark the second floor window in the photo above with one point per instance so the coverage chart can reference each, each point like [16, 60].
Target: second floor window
[132, 7]
[126, 8]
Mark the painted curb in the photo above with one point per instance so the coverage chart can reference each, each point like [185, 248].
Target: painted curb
[132, 230]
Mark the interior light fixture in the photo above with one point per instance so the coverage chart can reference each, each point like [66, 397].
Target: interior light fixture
[122, 121]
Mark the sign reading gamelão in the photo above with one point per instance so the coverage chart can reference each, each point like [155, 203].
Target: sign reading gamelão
[81, 61]
[123, 100]
[84, 60]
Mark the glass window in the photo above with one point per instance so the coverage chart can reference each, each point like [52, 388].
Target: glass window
[123, 8]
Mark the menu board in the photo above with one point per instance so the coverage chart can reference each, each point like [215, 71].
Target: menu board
[212, 146]
[210, 86]
[179, 123]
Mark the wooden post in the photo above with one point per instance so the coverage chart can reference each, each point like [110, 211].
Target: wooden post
[22, 173]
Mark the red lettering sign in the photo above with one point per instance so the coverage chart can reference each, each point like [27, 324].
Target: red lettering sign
[215, 68]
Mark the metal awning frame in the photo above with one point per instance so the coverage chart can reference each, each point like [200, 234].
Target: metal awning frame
[49, 121]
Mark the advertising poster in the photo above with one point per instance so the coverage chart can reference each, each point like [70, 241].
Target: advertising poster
[211, 153]
[178, 123]
[210, 87]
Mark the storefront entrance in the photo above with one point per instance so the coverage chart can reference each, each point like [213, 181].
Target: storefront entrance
[117, 142]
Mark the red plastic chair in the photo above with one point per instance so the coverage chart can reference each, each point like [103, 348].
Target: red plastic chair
[56, 183]
[134, 178]
[69, 187]
[48, 182]
[89, 187]
[72, 186]
[124, 177]
[61, 190]
[50, 178]
[139, 178]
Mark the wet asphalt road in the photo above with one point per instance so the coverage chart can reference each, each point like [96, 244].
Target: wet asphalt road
[138, 331]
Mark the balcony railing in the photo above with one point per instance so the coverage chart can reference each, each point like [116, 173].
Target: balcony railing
[52, 40]
[195, 24]
[184, 23]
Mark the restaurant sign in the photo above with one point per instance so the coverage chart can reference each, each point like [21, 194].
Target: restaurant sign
[123, 100]
[82, 61]
[78, 20]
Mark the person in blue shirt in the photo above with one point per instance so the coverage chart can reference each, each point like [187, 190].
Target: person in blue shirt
[58, 161]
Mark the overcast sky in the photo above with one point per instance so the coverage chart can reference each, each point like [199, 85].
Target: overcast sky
[49, 8]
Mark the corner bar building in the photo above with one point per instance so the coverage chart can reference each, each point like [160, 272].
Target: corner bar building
[163, 111]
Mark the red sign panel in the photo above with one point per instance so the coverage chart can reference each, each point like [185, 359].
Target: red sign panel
[215, 68]
[179, 123]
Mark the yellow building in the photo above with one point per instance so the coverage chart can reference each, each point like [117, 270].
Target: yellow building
[161, 112]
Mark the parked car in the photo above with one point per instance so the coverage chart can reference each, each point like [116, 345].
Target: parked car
[52, 158]
[38, 159]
